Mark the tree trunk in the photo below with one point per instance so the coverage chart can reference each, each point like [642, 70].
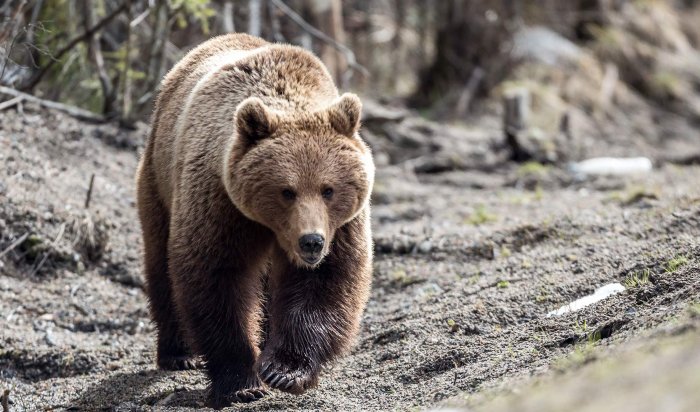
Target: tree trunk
[470, 34]
[255, 17]
[327, 16]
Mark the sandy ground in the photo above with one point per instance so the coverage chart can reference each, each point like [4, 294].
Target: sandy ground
[468, 264]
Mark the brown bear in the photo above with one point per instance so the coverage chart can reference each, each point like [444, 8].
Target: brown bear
[255, 183]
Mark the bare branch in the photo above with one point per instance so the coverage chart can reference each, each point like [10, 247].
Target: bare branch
[141, 17]
[469, 92]
[68, 47]
[126, 74]
[95, 51]
[14, 244]
[76, 112]
[296, 18]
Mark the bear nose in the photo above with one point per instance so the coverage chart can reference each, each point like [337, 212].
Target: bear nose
[312, 243]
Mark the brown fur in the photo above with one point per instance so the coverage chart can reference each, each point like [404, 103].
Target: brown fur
[239, 127]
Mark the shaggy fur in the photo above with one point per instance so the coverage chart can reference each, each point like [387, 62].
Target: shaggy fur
[251, 149]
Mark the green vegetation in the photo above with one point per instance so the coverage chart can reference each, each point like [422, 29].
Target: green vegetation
[694, 310]
[481, 216]
[666, 83]
[505, 251]
[676, 263]
[582, 354]
[581, 327]
[532, 168]
[542, 297]
[637, 279]
[454, 327]
[502, 284]
[401, 278]
[633, 195]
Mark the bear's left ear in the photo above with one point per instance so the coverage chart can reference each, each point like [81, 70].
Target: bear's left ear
[344, 114]
[254, 121]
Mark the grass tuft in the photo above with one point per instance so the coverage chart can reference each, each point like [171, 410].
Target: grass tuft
[637, 279]
[481, 216]
[676, 263]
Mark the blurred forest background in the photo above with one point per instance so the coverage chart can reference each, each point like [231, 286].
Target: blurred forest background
[108, 56]
[491, 207]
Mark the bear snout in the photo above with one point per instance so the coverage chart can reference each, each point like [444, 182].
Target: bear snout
[311, 244]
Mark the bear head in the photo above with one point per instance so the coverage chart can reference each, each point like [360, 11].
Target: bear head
[302, 175]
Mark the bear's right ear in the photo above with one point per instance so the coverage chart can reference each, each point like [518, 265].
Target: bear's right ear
[254, 121]
[345, 113]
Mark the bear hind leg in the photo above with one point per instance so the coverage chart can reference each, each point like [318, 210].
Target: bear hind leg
[172, 350]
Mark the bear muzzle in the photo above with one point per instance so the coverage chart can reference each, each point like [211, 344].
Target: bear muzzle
[311, 246]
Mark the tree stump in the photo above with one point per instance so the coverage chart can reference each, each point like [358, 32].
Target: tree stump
[516, 113]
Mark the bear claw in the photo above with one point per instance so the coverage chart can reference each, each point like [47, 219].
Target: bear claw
[248, 395]
[218, 400]
[180, 363]
[280, 377]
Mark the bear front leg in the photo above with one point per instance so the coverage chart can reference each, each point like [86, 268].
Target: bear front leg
[216, 285]
[314, 314]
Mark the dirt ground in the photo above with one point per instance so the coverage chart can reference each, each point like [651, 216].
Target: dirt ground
[469, 262]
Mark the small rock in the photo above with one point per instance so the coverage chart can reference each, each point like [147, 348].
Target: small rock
[430, 289]
[50, 338]
[425, 247]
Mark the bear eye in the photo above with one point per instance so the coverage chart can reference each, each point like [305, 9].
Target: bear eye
[289, 194]
[327, 193]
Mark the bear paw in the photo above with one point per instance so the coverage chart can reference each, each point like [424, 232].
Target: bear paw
[247, 395]
[180, 363]
[218, 400]
[280, 375]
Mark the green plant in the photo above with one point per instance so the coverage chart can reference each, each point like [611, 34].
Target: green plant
[481, 216]
[582, 354]
[542, 297]
[401, 278]
[532, 168]
[505, 251]
[454, 327]
[637, 279]
[502, 284]
[676, 263]
[694, 310]
[581, 327]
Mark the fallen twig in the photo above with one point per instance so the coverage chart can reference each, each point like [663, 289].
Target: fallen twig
[11, 102]
[166, 400]
[89, 192]
[76, 112]
[47, 253]
[40, 265]
[6, 400]
[59, 235]
[14, 244]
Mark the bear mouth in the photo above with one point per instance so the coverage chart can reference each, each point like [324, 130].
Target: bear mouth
[311, 260]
